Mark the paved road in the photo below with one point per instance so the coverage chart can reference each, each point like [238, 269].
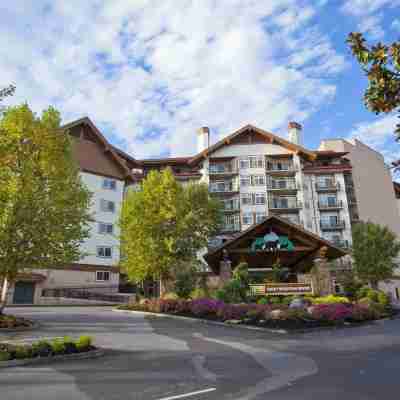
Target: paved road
[154, 359]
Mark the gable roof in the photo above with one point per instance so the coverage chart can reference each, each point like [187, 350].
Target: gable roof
[310, 242]
[114, 154]
[250, 128]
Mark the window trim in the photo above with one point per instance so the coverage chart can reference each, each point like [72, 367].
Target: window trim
[103, 272]
[104, 247]
[105, 208]
[106, 232]
[109, 184]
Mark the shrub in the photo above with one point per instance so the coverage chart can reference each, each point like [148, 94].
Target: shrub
[232, 311]
[362, 312]
[58, 346]
[21, 352]
[263, 301]
[70, 346]
[331, 313]
[5, 356]
[185, 282]
[231, 292]
[84, 343]
[41, 349]
[384, 299]
[205, 307]
[170, 296]
[330, 299]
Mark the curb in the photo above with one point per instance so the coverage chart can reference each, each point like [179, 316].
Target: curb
[20, 329]
[206, 321]
[47, 360]
[255, 328]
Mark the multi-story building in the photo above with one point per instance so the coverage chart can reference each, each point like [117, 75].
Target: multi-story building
[106, 175]
[254, 173]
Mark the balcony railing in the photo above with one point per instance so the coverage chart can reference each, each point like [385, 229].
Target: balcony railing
[282, 185]
[226, 188]
[221, 169]
[343, 244]
[231, 205]
[230, 228]
[280, 167]
[275, 204]
[327, 186]
[324, 205]
[328, 225]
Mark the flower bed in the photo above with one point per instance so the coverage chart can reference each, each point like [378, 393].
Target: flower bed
[12, 322]
[278, 316]
[44, 348]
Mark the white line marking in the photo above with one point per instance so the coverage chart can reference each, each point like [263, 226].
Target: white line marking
[181, 396]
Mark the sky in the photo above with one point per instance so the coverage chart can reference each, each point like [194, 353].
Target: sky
[149, 73]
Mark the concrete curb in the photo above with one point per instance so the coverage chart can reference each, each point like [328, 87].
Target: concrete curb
[34, 326]
[206, 321]
[254, 328]
[47, 360]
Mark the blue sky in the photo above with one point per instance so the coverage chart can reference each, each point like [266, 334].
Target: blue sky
[150, 72]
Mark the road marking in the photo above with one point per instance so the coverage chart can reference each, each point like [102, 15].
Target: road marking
[181, 396]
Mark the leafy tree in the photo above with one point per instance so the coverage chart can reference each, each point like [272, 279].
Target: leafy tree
[7, 91]
[164, 225]
[381, 64]
[236, 290]
[374, 247]
[43, 203]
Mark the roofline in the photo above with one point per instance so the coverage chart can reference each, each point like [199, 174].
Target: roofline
[205, 153]
[108, 146]
[243, 233]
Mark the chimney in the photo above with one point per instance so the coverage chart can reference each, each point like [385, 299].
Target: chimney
[203, 138]
[295, 135]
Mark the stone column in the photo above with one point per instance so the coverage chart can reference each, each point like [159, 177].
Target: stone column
[225, 271]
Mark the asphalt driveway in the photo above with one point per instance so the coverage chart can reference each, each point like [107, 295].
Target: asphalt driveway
[154, 359]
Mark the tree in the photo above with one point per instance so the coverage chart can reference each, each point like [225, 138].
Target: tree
[381, 64]
[374, 247]
[43, 203]
[7, 91]
[164, 225]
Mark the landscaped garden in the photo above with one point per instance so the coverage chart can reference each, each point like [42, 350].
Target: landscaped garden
[45, 348]
[233, 303]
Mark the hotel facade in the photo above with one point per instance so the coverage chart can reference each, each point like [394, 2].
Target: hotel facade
[254, 173]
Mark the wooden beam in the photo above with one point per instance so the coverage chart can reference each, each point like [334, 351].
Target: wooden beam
[248, 250]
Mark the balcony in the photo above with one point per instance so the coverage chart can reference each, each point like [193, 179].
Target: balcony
[284, 205]
[332, 225]
[280, 169]
[222, 169]
[326, 205]
[232, 205]
[224, 187]
[230, 228]
[282, 185]
[343, 244]
[327, 186]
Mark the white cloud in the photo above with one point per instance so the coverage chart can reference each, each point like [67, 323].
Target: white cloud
[379, 134]
[396, 25]
[363, 7]
[371, 26]
[152, 72]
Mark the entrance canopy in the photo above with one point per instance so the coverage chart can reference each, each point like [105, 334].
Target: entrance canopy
[274, 239]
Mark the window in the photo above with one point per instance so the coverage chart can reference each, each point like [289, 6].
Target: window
[109, 184]
[258, 180]
[260, 198]
[260, 217]
[106, 228]
[244, 163]
[246, 199]
[247, 219]
[245, 181]
[104, 252]
[256, 161]
[102, 276]
[107, 206]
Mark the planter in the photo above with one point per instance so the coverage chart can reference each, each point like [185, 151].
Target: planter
[46, 360]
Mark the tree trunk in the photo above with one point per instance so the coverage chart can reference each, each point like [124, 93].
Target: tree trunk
[4, 293]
